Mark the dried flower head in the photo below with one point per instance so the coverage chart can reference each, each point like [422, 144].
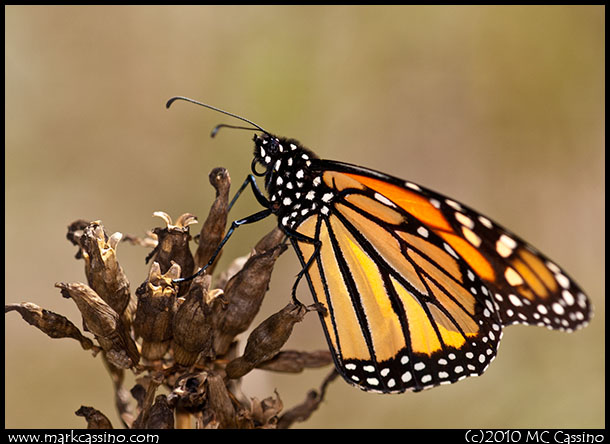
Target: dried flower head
[182, 337]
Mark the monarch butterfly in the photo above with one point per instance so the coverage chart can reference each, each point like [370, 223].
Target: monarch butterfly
[416, 287]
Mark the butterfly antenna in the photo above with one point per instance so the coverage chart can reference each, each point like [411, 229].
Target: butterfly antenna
[243, 119]
[224, 125]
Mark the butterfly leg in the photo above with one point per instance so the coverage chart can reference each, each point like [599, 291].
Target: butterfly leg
[258, 194]
[294, 237]
[236, 223]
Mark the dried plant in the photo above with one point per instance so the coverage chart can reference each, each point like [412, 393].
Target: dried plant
[182, 336]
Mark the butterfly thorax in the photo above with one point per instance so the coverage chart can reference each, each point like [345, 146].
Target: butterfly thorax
[292, 182]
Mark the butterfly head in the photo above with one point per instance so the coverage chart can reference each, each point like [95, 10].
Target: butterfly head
[267, 151]
[289, 172]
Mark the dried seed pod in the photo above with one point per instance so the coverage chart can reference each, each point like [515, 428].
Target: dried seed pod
[244, 293]
[292, 361]
[213, 228]
[192, 325]
[265, 413]
[75, 231]
[53, 324]
[266, 340]
[145, 400]
[161, 415]
[189, 392]
[173, 246]
[219, 402]
[122, 400]
[234, 267]
[104, 274]
[101, 320]
[95, 418]
[270, 240]
[155, 310]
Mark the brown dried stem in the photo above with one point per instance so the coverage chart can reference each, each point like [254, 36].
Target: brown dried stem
[182, 338]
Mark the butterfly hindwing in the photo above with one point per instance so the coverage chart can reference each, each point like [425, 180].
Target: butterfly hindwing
[403, 312]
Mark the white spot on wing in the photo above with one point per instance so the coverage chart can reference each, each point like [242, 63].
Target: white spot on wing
[464, 220]
[384, 200]
[512, 277]
[471, 237]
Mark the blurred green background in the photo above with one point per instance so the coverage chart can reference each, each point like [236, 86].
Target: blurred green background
[499, 107]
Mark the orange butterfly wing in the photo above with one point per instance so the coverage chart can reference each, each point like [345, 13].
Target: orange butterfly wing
[418, 286]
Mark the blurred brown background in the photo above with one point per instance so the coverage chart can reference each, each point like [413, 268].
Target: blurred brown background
[499, 107]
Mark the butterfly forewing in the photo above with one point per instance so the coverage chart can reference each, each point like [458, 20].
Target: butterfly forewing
[527, 287]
